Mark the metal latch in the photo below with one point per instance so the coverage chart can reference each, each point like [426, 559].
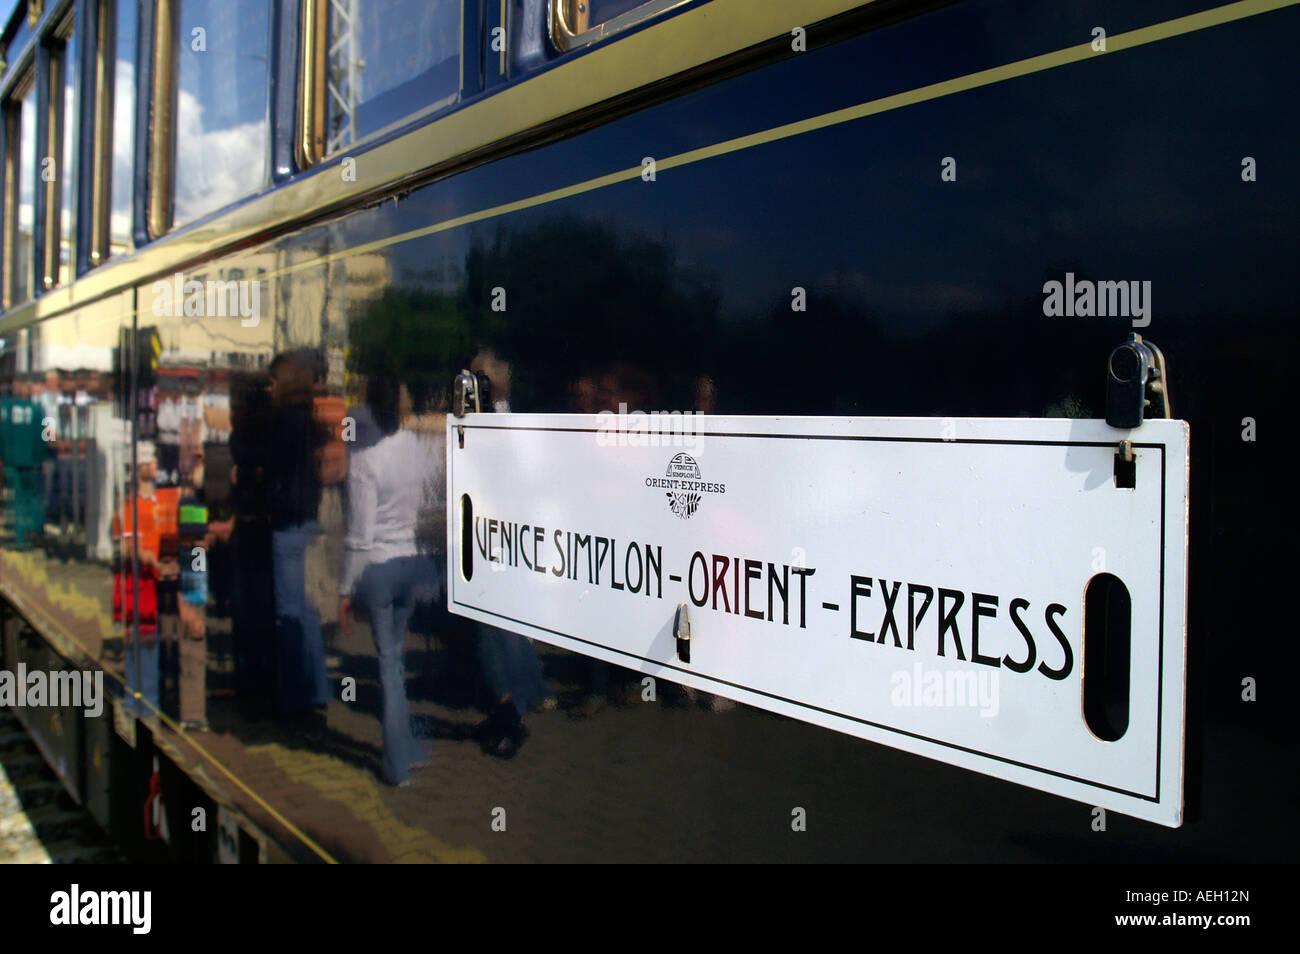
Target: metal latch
[470, 392]
[682, 632]
[1137, 387]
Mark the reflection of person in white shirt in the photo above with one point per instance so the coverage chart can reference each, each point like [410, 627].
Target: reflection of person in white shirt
[385, 569]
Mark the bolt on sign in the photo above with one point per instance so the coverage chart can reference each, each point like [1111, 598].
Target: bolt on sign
[984, 592]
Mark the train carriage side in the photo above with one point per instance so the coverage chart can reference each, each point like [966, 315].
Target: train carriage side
[254, 312]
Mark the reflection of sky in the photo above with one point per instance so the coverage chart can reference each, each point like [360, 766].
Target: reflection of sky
[407, 52]
[605, 10]
[221, 114]
[1123, 167]
[402, 38]
[123, 126]
[69, 164]
[27, 172]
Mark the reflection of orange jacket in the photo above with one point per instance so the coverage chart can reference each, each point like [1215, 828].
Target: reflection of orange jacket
[332, 457]
[167, 519]
[146, 525]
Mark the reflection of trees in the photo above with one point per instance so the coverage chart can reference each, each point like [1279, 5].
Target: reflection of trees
[415, 337]
[844, 357]
[581, 298]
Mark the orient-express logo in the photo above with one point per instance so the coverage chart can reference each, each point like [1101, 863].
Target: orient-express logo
[683, 486]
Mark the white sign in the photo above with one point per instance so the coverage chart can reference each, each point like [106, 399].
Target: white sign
[913, 581]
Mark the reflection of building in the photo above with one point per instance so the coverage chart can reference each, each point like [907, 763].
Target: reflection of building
[343, 82]
[221, 340]
[307, 307]
[22, 260]
[318, 301]
[71, 363]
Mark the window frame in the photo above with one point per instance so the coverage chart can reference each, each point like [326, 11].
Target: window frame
[97, 197]
[56, 68]
[313, 34]
[164, 85]
[567, 36]
[310, 139]
[157, 121]
[11, 112]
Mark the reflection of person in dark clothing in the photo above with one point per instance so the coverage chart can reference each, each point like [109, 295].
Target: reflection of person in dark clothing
[294, 487]
[390, 485]
[238, 490]
[615, 384]
[509, 663]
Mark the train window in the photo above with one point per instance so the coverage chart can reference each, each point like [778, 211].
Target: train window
[370, 64]
[115, 103]
[219, 133]
[20, 192]
[578, 22]
[61, 190]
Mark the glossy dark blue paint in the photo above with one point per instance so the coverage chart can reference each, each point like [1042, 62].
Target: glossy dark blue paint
[925, 298]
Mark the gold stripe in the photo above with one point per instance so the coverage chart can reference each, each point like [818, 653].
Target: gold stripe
[10, 230]
[569, 33]
[522, 96]
[103, 152]
[162, 137]
[54, 83]
[312, 98]
[243, 787]
[677, 44]
[1117, 43]
[997, 74]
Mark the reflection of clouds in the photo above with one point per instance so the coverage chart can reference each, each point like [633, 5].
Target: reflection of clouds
[400, 40]
[529, 39]
[68, 166]
[902, 296]
[27, 162]
[123, 148]
[214, 166]
[81, 356]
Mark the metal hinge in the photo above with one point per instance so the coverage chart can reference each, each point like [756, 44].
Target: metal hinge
[470, 392]
[1137, 387]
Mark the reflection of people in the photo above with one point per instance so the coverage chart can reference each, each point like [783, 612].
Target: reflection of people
[301, 682]
[236, 490]
[193, 546]
[23, 453]
[616, 383]
[136, 580]
[514, 678]
[389, 485]
[510, 665]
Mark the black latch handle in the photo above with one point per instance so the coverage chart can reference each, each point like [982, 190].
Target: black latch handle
[682, 632]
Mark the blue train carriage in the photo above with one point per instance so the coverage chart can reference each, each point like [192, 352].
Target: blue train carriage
[765, 423]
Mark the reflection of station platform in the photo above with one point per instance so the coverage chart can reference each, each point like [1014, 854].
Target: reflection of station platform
[39, 822]
[664, 781]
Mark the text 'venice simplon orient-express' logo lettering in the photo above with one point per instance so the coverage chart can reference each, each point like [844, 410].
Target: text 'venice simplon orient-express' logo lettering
[683, 486]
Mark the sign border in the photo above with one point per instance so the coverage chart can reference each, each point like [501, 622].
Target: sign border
[1162, 447]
